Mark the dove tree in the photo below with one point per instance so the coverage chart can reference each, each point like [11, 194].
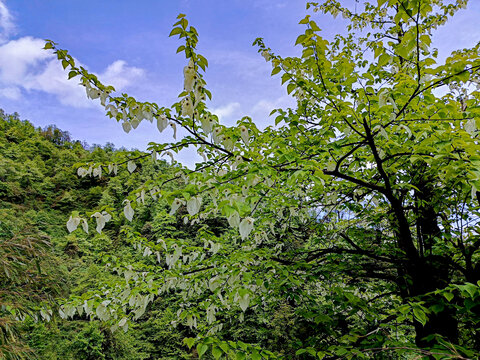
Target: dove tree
[358, 207]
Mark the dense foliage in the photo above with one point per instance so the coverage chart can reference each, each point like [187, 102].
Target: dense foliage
[41, 263]
[347, 230]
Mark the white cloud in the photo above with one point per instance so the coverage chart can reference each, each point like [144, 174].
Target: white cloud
[246, 65]
[24, 65]
[225, 112]
[6, 23]
[12, 93]
[260, 112]
[120, 75]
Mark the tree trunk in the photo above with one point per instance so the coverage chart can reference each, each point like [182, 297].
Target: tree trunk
[431, 273]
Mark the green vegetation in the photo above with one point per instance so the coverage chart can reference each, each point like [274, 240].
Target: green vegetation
[42, 263]
[348, 230]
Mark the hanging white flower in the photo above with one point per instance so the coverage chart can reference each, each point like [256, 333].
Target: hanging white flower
[162, 122]
[193, 205]
[169, 153]
[103, 97]
[202, 154]
[217, 138]
[266, 55]
[244, 301]
[245, 227]
[73, 223]
[175, 205]
[244, 134]
[471, 126]
[100, 221]
[187, 107]
[126, 126]
[92, 93]
[97, 171]
[211, 314]
[135, 122]
[234, 219]
[82, 172]
[207, 123]
[128, 210]
[147, 114]
[189, 76]
[174, 127]
[85, 225]
[131, 166]
[228, 143]
[198, 93]
[154, 192]
[113, 110]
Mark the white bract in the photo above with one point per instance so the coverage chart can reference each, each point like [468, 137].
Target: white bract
[471, 126]
[244, 301]
[193, 205]
[169, 153]
[73, 223]
[175, 205]
[85, 225]
[162, 122]
[102, 218]
[128, 210]
[187, 107]
[126, 127]
[234, 219]
[189, 76]
[174, 127]
[244, 134]
[245, 227]
[97, 171]
[131, 166]
[82, 172]
[207, 123]
[266, 55]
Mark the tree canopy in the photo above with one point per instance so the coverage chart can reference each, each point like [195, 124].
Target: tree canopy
[346, 229]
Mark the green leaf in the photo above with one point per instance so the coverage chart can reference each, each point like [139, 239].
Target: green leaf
[189, 342]
[449, 296]
[300, 39]
[305, 20]
[276, 70]
[216, 352]
[240, 355]
[201, 349]
[256, 355]
[420, 315]
[291, 87]
[176, 31]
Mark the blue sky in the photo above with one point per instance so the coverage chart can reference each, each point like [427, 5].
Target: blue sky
[126, 43]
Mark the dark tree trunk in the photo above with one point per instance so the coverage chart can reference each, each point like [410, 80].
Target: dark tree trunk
[432, 274]
[427, 272]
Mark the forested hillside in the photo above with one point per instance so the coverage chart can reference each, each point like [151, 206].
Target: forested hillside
[42, 263]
